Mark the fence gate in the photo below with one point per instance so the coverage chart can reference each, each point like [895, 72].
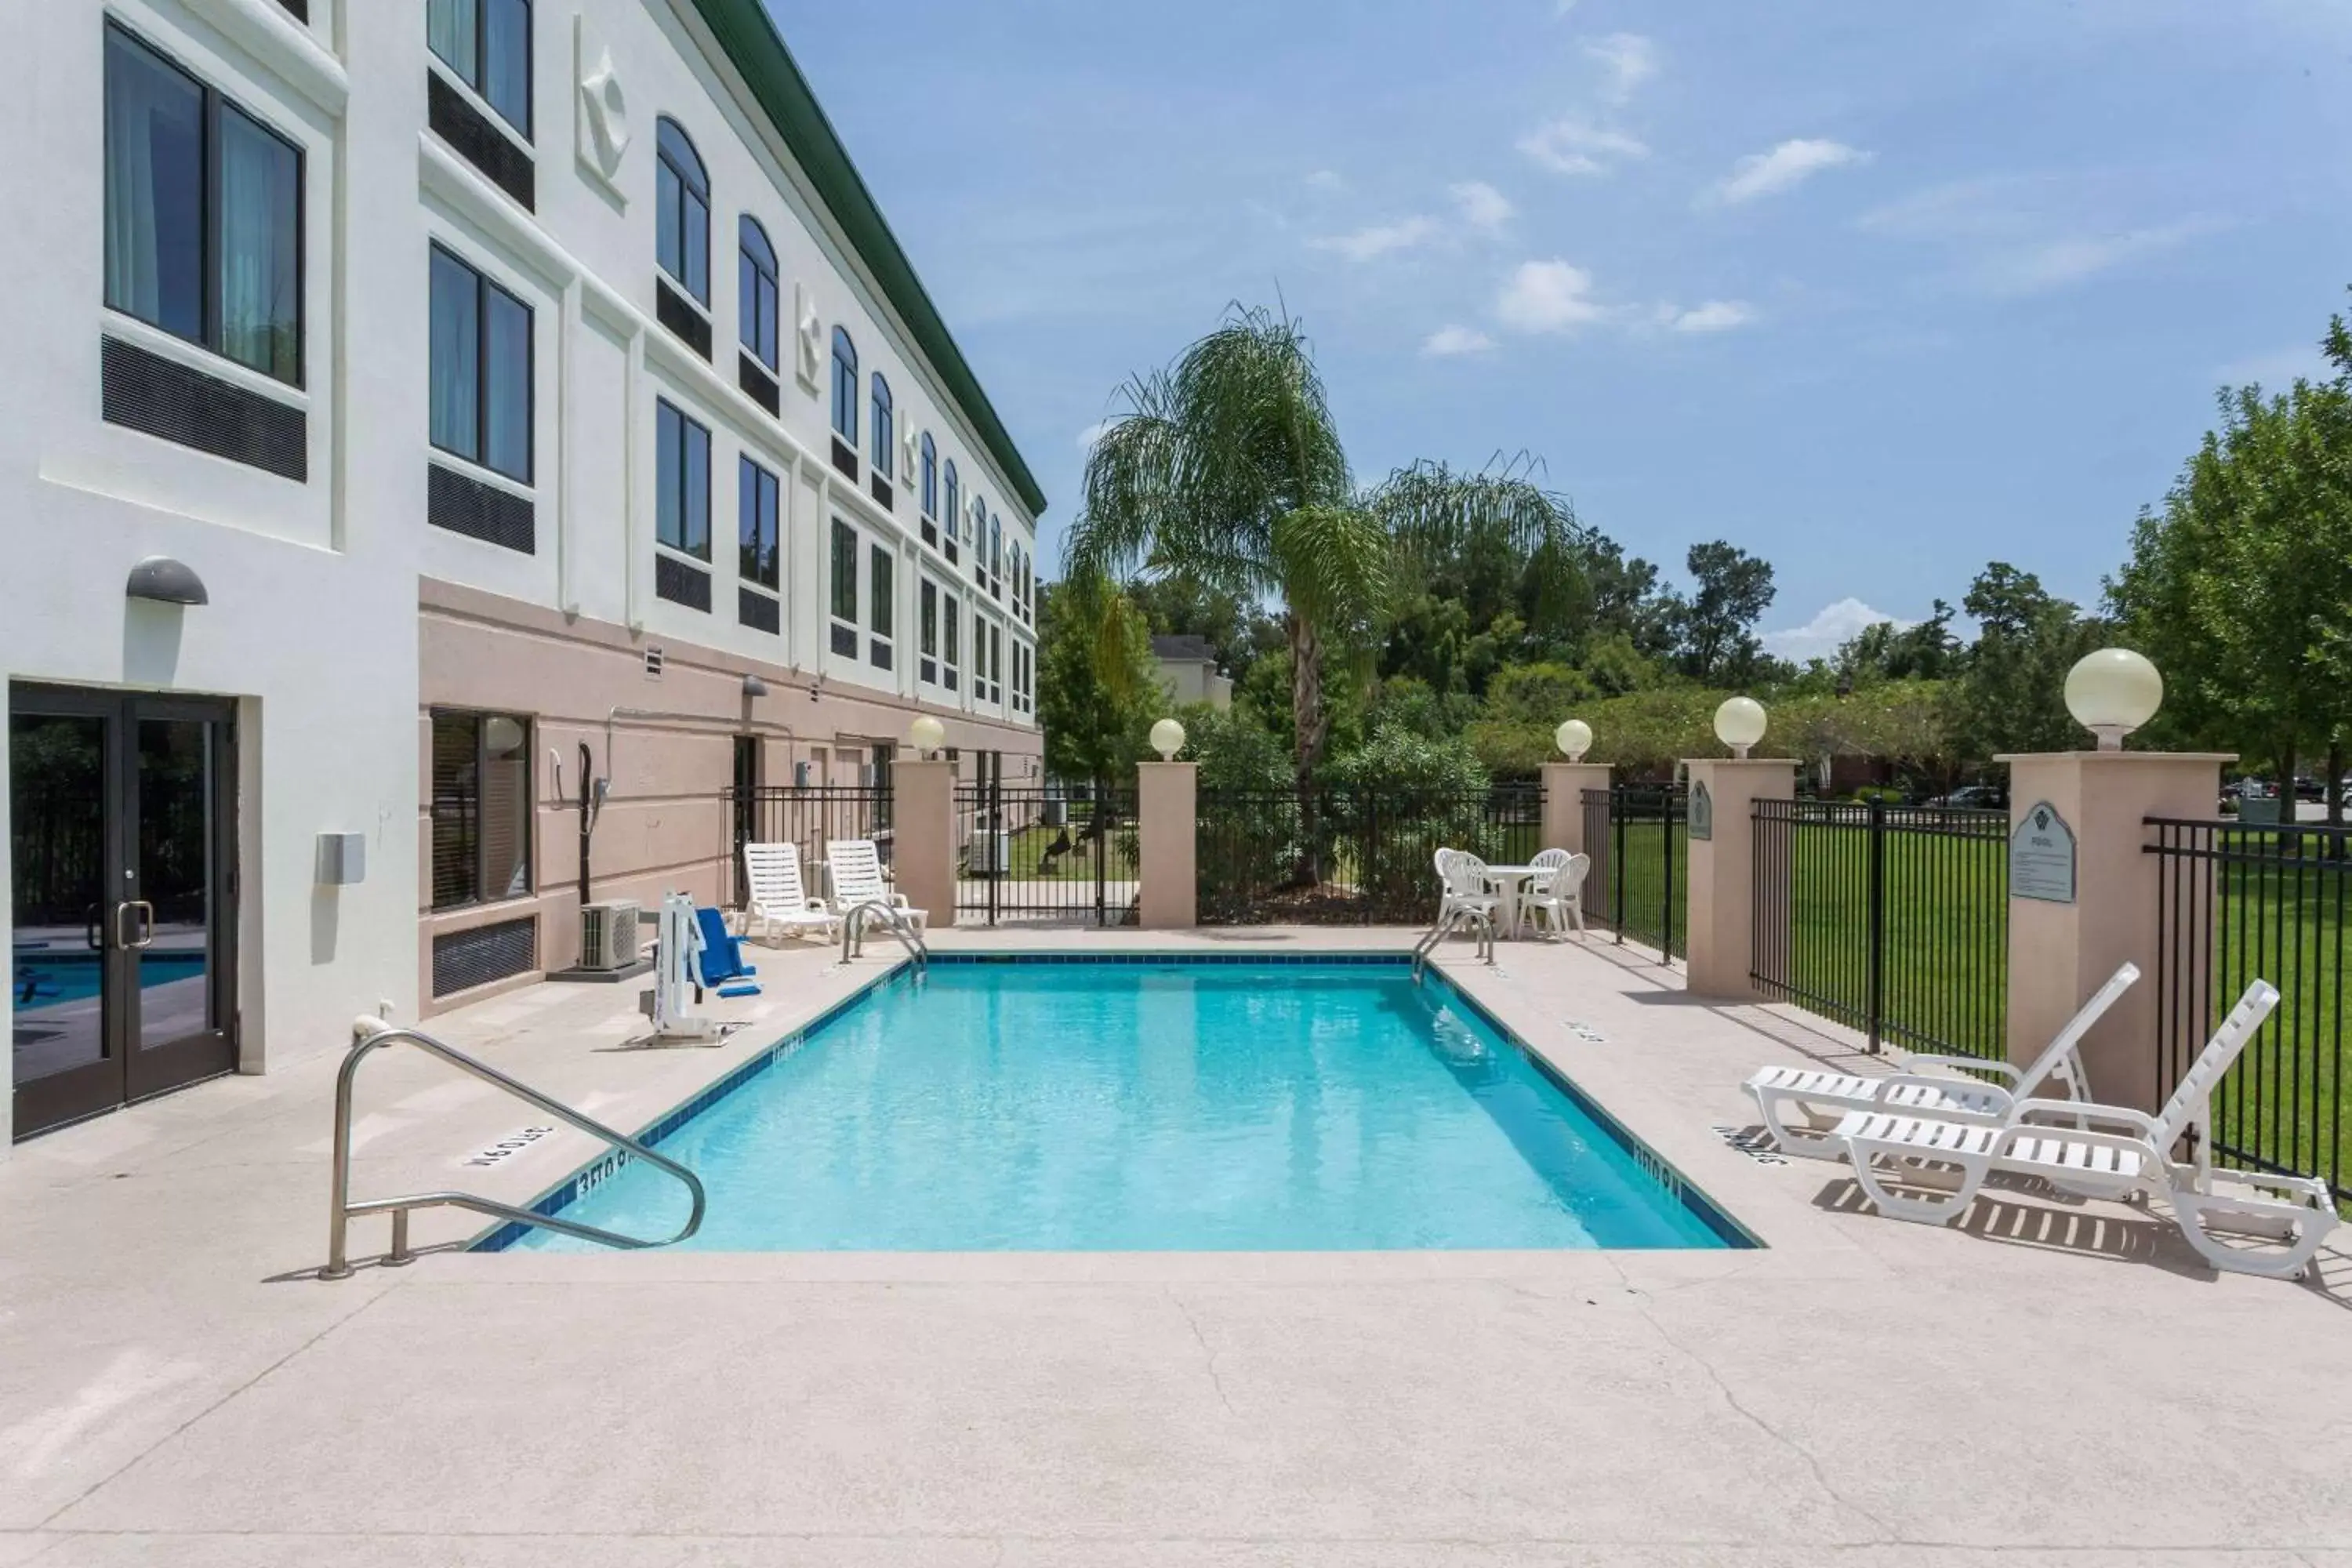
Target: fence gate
[1046, 854]
[1636, 837]
[2238, 903]
[1891, 920]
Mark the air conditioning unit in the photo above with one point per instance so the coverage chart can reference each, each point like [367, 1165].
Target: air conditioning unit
[608, 935]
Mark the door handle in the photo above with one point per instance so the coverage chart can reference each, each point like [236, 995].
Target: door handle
[146, 925]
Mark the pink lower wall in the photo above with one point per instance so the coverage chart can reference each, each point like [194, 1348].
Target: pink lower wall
[664, 827]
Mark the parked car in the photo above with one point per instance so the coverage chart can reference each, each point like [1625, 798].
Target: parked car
[2307, 788]
[1979, 796]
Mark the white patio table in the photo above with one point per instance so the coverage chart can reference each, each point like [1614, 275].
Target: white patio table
[1510, 883]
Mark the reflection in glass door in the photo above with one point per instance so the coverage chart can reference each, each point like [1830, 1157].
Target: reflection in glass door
[122, 817]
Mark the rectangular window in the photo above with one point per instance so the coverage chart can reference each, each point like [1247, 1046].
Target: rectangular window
[682, 482]
[757, 535]
[951, 657]
[845, 589]
[480, 351]
[880, 594]
[486, 44]
[929, 629]
[204, 213]
[481, 808]
[996, 664]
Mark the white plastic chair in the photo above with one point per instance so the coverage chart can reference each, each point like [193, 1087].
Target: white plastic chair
[1802, 1105]
[2216, 1209]
[1463, 876]
[1555, 895]
[777, 901]
[855, 867]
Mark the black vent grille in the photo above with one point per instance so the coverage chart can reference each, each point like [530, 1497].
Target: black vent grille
[844, 457]
[680, 583]
[472, 136]
[758, 611]
[162, 398]
[759, 385]
[882, 492]
[463, 504]
[464, 959]
[688, 324]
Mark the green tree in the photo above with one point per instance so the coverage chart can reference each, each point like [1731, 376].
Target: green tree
[2241, 586]
[1885, 651]
[1097, 687]
[1227, 468]
[2012, 694]
[1717, 641]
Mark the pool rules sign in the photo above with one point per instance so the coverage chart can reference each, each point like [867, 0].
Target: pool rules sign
[2042, 857]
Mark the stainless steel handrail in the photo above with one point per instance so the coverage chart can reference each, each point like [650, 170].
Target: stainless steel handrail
[344, 1209]
[1452, 921]
[894, 921]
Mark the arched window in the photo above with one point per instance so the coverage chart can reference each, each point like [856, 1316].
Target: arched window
[756, 290]
[844, 388]
[886, 426]
[931, 476]
[949, 503]
[996, 555]
[682, 210]
[975, 528]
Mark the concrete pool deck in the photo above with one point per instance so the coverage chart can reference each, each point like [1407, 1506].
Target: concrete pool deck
[2053, 1382]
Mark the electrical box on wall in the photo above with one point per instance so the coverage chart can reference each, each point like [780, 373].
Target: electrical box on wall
[342, 859]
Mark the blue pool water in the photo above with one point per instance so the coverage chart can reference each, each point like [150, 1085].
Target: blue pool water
[43, 979]
[1142, 1106]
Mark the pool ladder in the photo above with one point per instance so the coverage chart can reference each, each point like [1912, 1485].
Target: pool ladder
[1452, 921]
[344, 1209]
[894, 921]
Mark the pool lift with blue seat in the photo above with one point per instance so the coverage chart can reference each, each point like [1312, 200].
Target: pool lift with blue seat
[693, 953]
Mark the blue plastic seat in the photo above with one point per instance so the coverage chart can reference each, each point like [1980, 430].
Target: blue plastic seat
[722, 956]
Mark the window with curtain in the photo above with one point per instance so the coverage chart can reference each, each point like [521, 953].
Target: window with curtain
[204, 213]
[681, 211]
[480, 353]
[757, 538]
[682, 482]
[886, 426]
[481, 808]
[845, 589]
[756, 291]
[486, 44]
[844, 388]
[882, 605]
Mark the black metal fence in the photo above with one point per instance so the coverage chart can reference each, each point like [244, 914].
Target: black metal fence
[1637, 835]
[1893, 921]
[809, 816]
[1350, 856]
[2238, 903]
[1047, 854]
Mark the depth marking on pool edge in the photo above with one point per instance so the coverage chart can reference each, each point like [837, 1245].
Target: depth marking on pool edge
[513, 1143]
[1586, 1032]
[1753, 1141]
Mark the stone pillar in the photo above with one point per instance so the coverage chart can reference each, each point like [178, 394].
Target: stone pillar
[1564, 784]
[1167, 823]
[1722, 870]
[922, 832]
[2084, 896]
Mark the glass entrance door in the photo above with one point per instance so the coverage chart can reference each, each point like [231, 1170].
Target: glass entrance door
[121, 962]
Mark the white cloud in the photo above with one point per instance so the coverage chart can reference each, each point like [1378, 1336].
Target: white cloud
[1630, 60]
[1094, 433]
[1366, 244]
[2059, 263]
[1448, 343]
[1790, 165]
[1572, 146]
[1715, 316]
[1547, 297]
[1482, 206]
[1821, 636]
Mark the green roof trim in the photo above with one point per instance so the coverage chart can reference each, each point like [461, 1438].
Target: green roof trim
[745, 31]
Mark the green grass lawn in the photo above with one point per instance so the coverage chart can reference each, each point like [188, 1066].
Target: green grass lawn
[1641, 865]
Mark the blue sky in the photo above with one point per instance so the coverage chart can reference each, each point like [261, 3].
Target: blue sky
[1878, 292]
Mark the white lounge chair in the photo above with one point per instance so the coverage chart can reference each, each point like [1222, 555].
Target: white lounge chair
[1802, 1106]
[2219, 1211]
[856, 870]
[778, 902]
[1555, 895]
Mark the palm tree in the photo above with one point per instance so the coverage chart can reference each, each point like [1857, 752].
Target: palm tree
[1227, 467]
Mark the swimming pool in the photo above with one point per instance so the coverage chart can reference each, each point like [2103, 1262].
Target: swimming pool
[1150, 1104]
